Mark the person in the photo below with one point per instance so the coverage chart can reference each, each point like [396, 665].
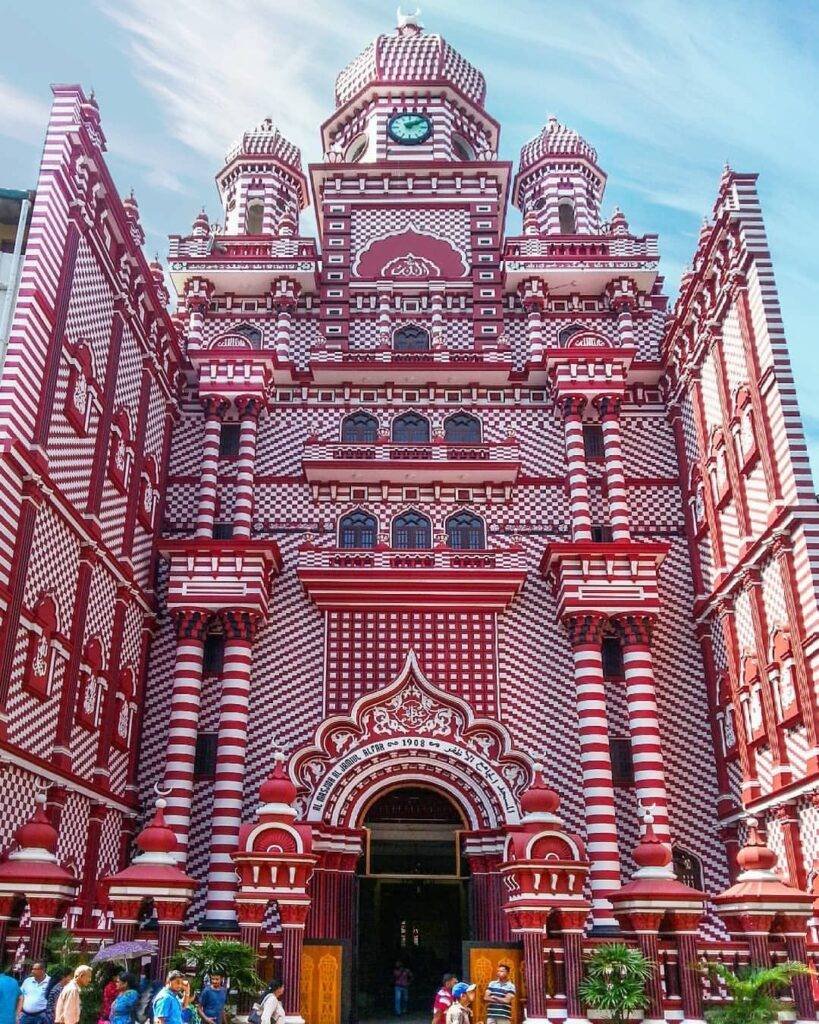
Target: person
[123, 1006]
[272, 1009]
[69, 1006]
[443, 998]
[109, 994]
[401, 981]
[9, 996]
[211, 1000]
[31, 1003]
[59, 979]
[499, 996]
[462, 996]
[170, 999]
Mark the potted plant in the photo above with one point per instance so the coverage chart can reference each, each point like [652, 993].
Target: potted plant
[615, 981]
[753, 993]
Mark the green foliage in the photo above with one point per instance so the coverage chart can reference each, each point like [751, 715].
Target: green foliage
[615, 980]
[753, 993]
[61, 950]
[235, 960]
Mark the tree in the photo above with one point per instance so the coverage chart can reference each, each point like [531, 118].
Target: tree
[235, 960]
[615, 980]
[753, 992]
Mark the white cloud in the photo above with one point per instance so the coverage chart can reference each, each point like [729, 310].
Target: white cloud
[24, 117]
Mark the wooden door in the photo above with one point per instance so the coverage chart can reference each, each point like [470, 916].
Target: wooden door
[483, 967]
[321, 981]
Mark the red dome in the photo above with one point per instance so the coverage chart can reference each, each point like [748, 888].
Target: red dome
[755, 855]
[277, 787]
[651, 853]
[38, 832]
[157, 836]
[539, 798]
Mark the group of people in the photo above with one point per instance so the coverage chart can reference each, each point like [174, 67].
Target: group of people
[453, 1001]
[57, 999]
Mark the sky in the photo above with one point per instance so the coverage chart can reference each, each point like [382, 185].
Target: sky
[666, 91]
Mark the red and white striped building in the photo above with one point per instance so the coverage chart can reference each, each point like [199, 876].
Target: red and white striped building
[379, 522]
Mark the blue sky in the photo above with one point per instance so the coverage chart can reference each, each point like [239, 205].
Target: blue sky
[666, 91]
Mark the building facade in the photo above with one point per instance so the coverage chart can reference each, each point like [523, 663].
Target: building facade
[387, 538]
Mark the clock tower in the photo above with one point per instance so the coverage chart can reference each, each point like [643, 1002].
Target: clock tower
[410, 198]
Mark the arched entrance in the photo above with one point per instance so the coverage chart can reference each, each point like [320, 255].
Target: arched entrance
[413, 903]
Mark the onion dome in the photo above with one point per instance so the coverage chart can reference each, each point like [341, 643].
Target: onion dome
[33, 868]
[410, 57]
[539, 802]
[37, 834]
[277, 792]
[201, 225]
[265, 140]
[131, 210]
[556, 140]
[651, 853]
[157, 841]
[755, 856]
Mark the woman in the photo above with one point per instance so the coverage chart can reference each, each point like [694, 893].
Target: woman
[272, 1009]
[59, 979]
[126, 997]
[109, 994]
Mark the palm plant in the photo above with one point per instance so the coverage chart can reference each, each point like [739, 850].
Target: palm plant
[236, 961]
[753, 993]
[615, 980]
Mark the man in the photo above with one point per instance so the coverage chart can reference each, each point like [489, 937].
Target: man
[32, 1002]
[462, 996]
[169, 1000]
[401, 981]
[9, 995]
[69, 1002]
[443, 998]
[211, 1000]
[272, 1009]
[499, 995]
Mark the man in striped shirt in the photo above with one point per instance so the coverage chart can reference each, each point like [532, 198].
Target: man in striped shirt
[499, 996]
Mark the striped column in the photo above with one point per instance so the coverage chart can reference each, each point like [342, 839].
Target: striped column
[197, 306]
[634, 632]
[214, 411]
[625, 323]
[436, 302]
[609, 408]
[249, 409]
[191, 627]
[284, 327]
[586, 636]
[228, 786]
[534, 326]
[576, 470]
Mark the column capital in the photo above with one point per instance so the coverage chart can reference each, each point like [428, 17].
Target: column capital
[249, 406]
[191, 623]
[585, 629]
[634, 630]
[239, 624]
[608, 406]
[215, 406]
[571, 405]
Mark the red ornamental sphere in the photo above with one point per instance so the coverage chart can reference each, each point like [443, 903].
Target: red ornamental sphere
[277, 788]
[539, 798]
[38, 833]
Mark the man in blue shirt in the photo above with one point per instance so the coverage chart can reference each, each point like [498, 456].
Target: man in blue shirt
[32, 1001]
[9, 994]
[168, 1000]
[211, 1000]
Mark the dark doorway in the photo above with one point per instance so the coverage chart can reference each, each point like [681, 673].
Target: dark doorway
[412, 899]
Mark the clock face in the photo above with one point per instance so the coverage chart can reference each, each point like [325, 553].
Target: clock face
[410, 129]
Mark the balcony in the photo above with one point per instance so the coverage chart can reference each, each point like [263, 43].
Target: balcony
[610, 578]
[491, 364]
[243, 264]
[439, 462]
[218, 574]
[380, 578]
[582, 264]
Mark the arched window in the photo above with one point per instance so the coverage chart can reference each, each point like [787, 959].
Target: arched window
[687, 867]
[121, 455]
[462, 148]
[462, 428]
[40, 661]
[92, 684]
[565, 334]
[565, 212]
[253, 334]
[359, 427]
[254, 217]
[411, 338]
[357, 149]
[410, 429]
[358, 530]
[411, 531]
[465, 532]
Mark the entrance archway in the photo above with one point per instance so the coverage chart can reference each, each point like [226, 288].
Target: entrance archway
[413, 903]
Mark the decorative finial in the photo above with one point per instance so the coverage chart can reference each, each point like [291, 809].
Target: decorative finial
[278, 755]
[161, 792]
[409, 21]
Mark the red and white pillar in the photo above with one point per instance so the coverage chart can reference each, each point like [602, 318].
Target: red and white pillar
[643, 720]
[609, 408]
[191, 628]
[293, 918]
[246, 467]
[625, 323]
[586, 635]
[576, 469]
[228, 786]
[206, 513]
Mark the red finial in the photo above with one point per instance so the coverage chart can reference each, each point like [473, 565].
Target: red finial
[539, 798]
[650, 852]
[157, 836]
[38, 833]
[755, 855]
[277, 788]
